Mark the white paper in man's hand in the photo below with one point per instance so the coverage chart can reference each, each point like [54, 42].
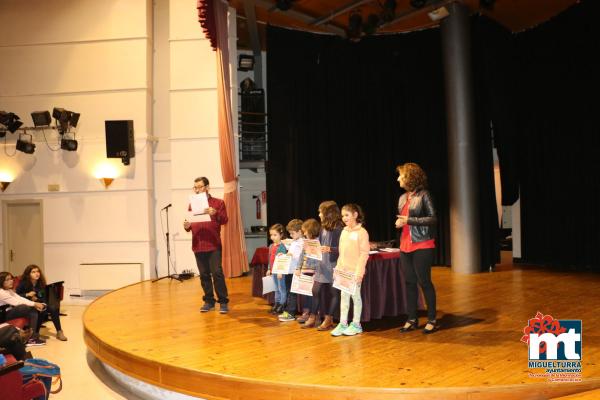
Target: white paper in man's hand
[199, 203]
[198, 217]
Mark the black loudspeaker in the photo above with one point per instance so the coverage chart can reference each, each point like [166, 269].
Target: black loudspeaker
[119, 140]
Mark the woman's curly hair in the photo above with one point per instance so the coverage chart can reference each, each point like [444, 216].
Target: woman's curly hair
[415, 178]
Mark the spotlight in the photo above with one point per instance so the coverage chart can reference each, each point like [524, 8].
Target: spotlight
[24, 146]
[68, 144]
[245, 62]
[417, 3]
[10, 121]
[371, 25]
[487, 4]
[65, 119]
[74, 119]
[354, 25]
[284, 5]
[41, 118]
[59, 114]
[389, 10]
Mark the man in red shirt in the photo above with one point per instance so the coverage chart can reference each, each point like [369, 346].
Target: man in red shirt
[206, 245]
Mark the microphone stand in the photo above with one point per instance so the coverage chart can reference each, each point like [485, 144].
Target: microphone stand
[169, 275]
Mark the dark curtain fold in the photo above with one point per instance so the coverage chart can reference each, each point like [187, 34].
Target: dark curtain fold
[342, 115]
[559, 142]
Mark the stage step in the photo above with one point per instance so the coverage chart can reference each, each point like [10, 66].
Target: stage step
[588, 395]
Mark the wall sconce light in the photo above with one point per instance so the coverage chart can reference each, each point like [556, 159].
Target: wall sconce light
[107, 182]
[5, 180]
[106, 172]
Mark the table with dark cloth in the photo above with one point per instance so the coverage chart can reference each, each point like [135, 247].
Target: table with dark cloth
[383, 288]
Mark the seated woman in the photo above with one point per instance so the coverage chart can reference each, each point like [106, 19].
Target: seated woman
[33, 287]
[20, 307]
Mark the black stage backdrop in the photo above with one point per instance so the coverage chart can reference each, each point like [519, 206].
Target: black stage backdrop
[559, 139]
[342, 115]
[541, 89]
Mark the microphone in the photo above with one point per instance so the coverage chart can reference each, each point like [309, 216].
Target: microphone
[165, 207]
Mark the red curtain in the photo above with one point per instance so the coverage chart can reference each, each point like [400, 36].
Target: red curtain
[213, 18]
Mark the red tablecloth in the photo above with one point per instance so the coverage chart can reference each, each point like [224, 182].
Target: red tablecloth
[383, 288]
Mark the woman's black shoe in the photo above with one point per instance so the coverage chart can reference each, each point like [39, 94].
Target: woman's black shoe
[435, 327]
[412, 325]
[274, 308]
[279, 309]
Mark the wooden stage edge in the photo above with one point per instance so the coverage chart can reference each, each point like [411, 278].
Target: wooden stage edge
[137, 352]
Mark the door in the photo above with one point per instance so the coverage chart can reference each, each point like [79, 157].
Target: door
[23, 235]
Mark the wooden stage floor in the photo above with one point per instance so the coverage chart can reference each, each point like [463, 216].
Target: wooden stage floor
[155, 332]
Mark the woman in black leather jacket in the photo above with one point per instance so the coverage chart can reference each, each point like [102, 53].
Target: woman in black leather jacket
[416, 219]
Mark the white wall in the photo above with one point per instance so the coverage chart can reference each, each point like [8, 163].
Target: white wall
[115, 59]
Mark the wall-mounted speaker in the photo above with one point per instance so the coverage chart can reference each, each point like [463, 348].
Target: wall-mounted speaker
[119, 140]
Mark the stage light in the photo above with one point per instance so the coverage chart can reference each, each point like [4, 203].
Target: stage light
[41, 118]
[74, 119]
[418, 3]
[68, 144]
[284, 5]
[245, 62]
[24, 146]
[371, 25]
[10, 120]
[354, 25]
[64, 119]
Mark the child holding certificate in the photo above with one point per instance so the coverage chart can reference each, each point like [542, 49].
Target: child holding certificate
[329, 237]
[310, 229]
[276, 233]
[354, 253]
[295, 249]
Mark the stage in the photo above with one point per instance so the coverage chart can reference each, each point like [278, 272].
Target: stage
[154, 332]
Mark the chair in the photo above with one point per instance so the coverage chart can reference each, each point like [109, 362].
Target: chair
[11, 382]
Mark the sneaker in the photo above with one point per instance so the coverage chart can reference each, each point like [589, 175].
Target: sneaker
[339, 329]
[352, 329]
[206, 307]
[286, 316]
[35, 342]
[223, 308]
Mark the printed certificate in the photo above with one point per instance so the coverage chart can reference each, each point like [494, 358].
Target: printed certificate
[281, 264]
[345, 281]
[312, 248]
[302, 284]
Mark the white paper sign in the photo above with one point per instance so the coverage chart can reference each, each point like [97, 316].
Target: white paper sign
[302, 284]
[268, 284]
